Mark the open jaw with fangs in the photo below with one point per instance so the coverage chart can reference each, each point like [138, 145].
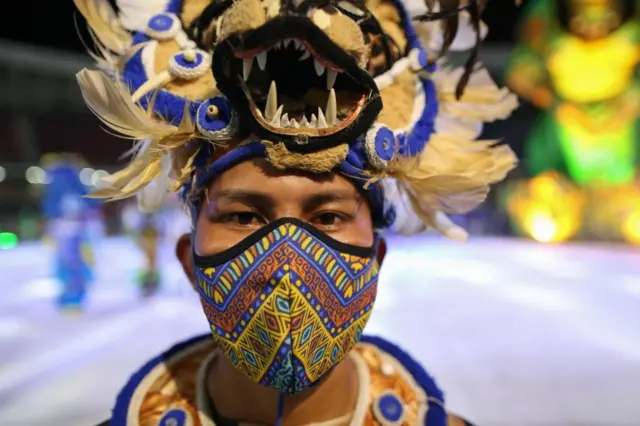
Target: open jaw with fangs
[311, 95]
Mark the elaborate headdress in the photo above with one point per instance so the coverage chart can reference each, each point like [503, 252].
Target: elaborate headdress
[351, 86]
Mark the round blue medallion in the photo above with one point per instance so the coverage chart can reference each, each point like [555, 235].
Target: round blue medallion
[389, 409]
[175, 417]
[215, 119]
[380, 145]
[189, 64]
[161, 23]
[163, 26]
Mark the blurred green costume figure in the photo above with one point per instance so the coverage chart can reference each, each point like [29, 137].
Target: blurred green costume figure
[145, 230]
[577, 61]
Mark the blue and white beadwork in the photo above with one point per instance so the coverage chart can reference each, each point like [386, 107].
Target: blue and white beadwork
[389, 410]
[380, 145]
[175, 417]
[189, 64]
[163, 26]
[418, 59]
[216, 119]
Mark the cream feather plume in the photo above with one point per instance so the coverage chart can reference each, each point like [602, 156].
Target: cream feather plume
[452, 175]
[408, 223]
[152, 196]
[104, 23]
[455, 171]
[482, 99]
[104, 59]
[110, 101]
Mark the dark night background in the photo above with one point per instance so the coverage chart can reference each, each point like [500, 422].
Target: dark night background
[51, 23]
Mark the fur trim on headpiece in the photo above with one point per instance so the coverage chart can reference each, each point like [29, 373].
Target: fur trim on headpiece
[318, 162]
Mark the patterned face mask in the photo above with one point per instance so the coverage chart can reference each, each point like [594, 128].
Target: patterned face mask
[288, 303]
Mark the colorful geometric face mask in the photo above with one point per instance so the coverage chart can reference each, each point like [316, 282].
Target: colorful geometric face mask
[288, 303]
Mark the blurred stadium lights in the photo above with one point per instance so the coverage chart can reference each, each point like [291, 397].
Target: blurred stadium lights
[86, 176]
[97, 176]
[8, 240]
[36, 175]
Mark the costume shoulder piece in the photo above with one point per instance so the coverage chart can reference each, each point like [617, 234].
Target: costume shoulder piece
[352, 86]
[170, 389]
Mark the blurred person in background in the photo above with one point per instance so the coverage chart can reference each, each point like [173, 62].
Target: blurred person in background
[147, 230]
[286, 214]
[68, 214]
[577, 60]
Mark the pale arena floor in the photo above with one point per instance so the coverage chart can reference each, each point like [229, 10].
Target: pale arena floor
[516, 333]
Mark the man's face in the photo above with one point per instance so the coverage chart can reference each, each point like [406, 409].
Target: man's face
[252, 194]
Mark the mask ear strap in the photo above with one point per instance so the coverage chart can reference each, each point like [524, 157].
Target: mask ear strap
[280, 417]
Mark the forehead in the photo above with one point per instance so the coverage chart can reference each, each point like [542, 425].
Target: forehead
[259, 175]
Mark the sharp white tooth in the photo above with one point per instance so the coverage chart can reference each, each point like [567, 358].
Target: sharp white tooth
[331, 78]
[284, 121]
[294, 124]
[322, 123]
[332, 108]
[286, 43]
[278, 45]
[319, 67]
[304, 122]
[276, 118]
[297, 44]
[314, 121]
[246, 68]
[305, 55]
[272, 102]
[262, 60]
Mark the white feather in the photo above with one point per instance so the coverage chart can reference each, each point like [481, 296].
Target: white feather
[152, 196]
[406, 221]
[135, 14]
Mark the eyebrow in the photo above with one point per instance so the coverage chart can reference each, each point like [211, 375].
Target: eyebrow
[258, 200]
[318, 199]
[265, 203]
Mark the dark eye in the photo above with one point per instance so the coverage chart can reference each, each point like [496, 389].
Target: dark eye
[244, 218]
[327, 219]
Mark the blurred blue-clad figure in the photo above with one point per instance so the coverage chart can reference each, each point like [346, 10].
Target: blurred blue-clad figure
[69, 216]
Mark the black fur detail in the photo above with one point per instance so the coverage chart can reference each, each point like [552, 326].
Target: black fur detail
[450, 26]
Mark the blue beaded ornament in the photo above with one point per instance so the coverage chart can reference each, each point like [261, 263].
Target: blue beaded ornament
[189, 64]
[389, 410]
[163, 26]
[175, 417]
[216, 119]
[380, 145]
